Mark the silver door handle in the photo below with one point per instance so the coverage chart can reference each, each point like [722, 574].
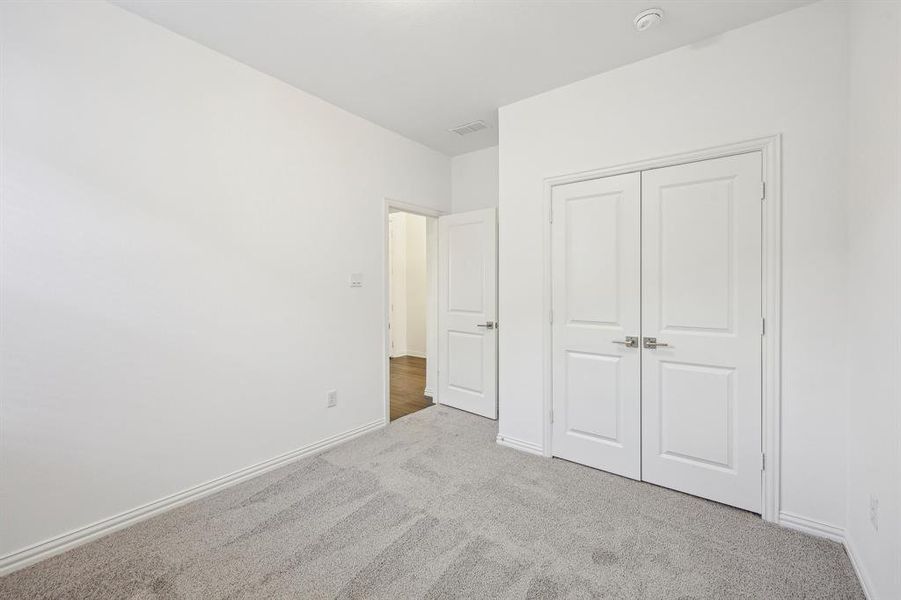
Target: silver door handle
[487, 325]
[651, 343]
[629, 342]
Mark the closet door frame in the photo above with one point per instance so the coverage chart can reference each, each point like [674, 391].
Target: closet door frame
[771, 150]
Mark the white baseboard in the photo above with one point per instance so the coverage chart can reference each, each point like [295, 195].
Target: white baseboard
[402, 353]
[38, 552]
[836, 534]
[521, 445]
[817, 528]
[861, 573]
[429, 392]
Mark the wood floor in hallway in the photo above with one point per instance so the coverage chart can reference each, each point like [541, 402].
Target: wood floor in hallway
[407, 386]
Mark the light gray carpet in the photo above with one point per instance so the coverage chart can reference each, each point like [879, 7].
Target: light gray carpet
[431, 507]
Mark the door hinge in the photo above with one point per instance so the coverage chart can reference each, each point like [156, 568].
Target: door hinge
[763, 190]
[763, 461]
[552, 415]
[762, 326]
[550, 316]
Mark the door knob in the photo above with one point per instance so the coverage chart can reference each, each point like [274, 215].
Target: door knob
[651, 343]
[629, 342]
[487, 325]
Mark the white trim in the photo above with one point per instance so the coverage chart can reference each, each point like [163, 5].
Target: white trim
[43, 550]
[861, 573]
[520, 445]
[430, 393]
[836, 534]
[770, 149]
[403, 353]
[395, 205]
[811, 527]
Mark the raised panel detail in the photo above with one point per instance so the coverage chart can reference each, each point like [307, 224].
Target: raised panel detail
[696, 256]
[466, 271]
[592, 396]
[465, 360]
[592, 259]
[697, 411]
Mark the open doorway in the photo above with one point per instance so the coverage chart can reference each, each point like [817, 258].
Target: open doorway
[411, 312]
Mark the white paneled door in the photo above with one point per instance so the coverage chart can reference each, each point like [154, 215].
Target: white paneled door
[467, 311]
[702, 307]
[596, 299]
[672, 258]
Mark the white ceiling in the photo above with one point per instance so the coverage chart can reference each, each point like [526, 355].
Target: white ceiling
[421, 67]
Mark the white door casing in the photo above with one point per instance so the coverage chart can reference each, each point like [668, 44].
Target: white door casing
[596, 297]
[397, 285]
[467, 311]
[702, 295]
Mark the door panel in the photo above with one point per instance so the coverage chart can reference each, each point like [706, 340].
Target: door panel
[701, 296]
[467, 301]
[596, 296]
[696, 270]
[465, 360]
[592, 259]
[592, 403]
[697, 405]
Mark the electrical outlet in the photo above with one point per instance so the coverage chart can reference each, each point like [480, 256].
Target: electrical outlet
[332, 398]
[874, 512]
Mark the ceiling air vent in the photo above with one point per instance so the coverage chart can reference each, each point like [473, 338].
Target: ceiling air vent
[468, 128]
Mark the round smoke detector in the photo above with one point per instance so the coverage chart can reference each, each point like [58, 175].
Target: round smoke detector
[648, 18]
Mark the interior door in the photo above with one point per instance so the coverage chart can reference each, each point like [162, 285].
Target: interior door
[467, 311]
[702, 327]
[596, 299]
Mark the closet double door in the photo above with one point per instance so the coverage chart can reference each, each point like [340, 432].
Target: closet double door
[657, 325]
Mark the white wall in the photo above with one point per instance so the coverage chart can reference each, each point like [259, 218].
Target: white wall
[874, 284]
[177, 235]
[409, 286]
[474, 180]
[784, 75]
[417, 291]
